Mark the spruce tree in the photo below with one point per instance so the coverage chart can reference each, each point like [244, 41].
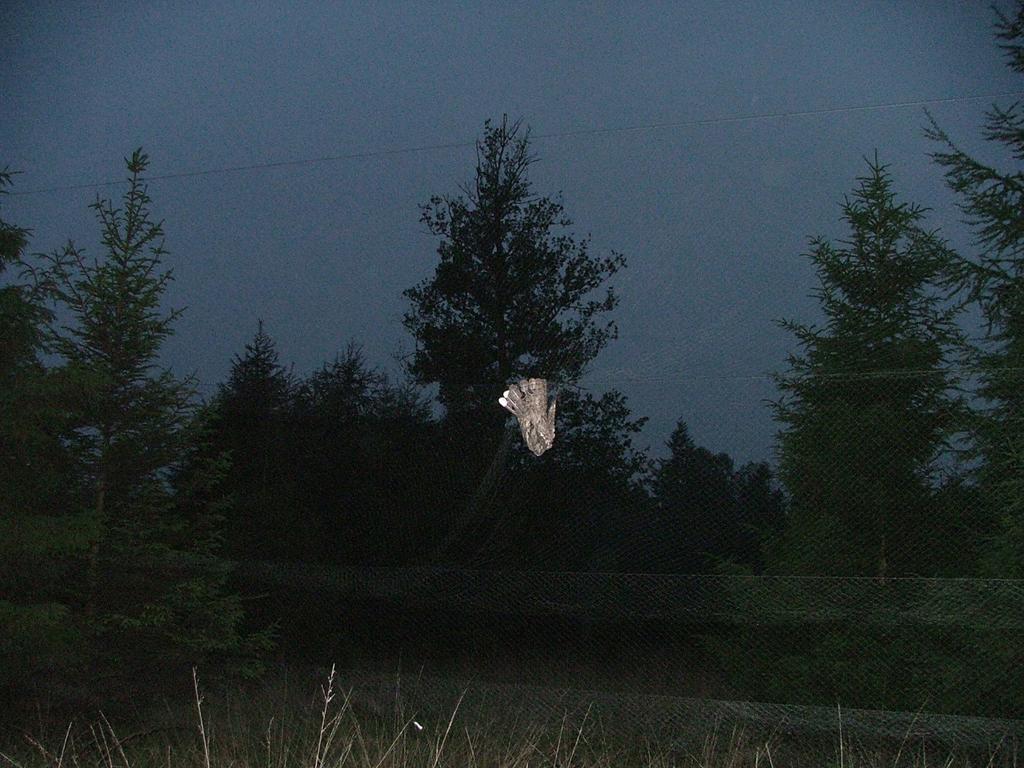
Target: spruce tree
[709, 516]
[869, 415]
[360, 441]
[252, 423]
[695, 499]
[993, 201]
[339, 463]
[154, 589]
[868, 409]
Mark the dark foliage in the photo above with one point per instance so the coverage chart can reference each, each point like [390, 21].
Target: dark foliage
[869, 407]
[122, 539]
[993, 201]
[708, 514]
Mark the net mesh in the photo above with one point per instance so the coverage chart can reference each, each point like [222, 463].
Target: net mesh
[609, 613]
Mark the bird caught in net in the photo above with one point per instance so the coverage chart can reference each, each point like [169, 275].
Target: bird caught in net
[528, 402]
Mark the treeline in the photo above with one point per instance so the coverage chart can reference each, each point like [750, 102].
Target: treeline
[126, 501]
[344, 467]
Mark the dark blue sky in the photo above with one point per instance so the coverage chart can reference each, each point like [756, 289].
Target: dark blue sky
[714, 219]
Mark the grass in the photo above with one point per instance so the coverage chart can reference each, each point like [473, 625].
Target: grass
[361, 721]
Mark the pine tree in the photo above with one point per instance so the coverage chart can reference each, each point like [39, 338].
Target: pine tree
[252, 423]
[993, 201]
[709, 515]
[696, 502]
[867, 408]
[514, 296]
[510, 297]
[154, 588]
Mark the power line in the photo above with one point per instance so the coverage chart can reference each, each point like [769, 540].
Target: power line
[676, 374]
[380, 153]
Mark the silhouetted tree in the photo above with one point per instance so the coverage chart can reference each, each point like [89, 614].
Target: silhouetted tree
[696, 504]
[23, 430]
[993, 200]
[332, 420]
[867, 409]
[513, 297]
[252, 423]
[13, 239]
[359, 442]
[42, 532]
[761, 512]
[585, 505]
[870, 411]
[706, 513]
[154, 586]
[329, 468]
[400, 447]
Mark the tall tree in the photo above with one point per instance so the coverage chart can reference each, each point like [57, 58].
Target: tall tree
[13, 239]
[154, 585]
[585, 505]
[993, 200]
[695, 499]
[251, 422]
[761, 516]
[398, 446]
[515, 296]
[867, 408]
[21, 372]
[351, 454]
[870, 412]
[511, 296]
[21, 369]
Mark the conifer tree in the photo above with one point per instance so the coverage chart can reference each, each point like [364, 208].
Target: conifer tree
[695, 499]
[708, 515]
[515, 296]
[252, 423]
[868, 409]
[338, 460]
[154, 588]
[511, 295]
[359, 442]
[993, 200]
[21, 372]
[41, 534]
